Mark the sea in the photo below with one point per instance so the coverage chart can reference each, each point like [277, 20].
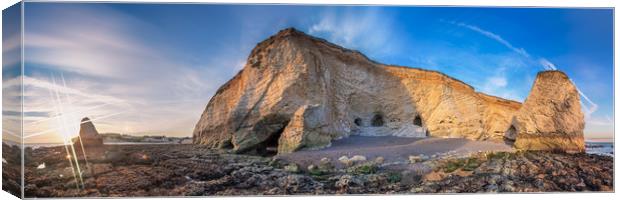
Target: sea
[600, 148]
[39, 145]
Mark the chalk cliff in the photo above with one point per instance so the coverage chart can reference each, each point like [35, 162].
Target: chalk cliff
[297, 91]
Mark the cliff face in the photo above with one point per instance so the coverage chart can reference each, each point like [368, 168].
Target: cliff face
[297, 91]
[551, 117]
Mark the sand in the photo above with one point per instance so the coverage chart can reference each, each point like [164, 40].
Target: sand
[394, 149]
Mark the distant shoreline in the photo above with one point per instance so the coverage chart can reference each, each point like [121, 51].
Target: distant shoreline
[598, 140]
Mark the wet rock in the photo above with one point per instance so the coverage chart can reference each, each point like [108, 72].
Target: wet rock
[292, 168]
[325, 165]
[140, 158]
[293, 184]
[98, 169]
[345, 182]
[181, 170]
[376, 180]
[410, 177]
[517, 172]
[491, 188]
[115, 156]
[414, 159]
[277, 163]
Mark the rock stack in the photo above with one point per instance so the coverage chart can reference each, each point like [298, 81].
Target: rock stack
[88, 137]
[297, 91]
[551, 117]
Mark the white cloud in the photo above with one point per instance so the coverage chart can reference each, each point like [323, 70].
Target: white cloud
[369, 29]
[495, 37]
[600, 121]
[546, 64]
[114, 75]
[11, 50]
[498, 81]
[496, 85]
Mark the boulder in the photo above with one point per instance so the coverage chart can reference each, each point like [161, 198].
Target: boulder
[551, 117]
[306, 129]
[88, 136]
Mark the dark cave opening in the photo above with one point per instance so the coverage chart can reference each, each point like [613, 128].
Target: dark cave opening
[510, 135]
[417, 121]
[377, 120]
[268, 131]
[269, 147]
[358, 121]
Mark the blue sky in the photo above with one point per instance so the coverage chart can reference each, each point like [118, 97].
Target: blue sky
[11, 68]
[151, 69]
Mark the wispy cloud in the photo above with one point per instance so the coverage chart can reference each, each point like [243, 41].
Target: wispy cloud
[497, 84]
[606, 121]
[499, 81]
[493, 36]
[545, 63]
[11, 50]
[118, 74]
[367, 29]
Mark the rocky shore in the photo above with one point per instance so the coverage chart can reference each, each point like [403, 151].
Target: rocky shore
[193, 170]
[11, 169]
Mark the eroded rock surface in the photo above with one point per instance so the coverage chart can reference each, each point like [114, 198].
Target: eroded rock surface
[194, 170]
[265, 106]
[551, 117]
[307, 128]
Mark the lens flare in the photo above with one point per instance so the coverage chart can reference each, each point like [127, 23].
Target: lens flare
[62, 122]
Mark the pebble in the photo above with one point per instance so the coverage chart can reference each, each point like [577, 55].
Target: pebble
[415, 159]
[358, 158]
[345, 160]
[41, 166]
[324, 161]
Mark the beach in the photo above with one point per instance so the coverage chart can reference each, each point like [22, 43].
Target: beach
[193, 170]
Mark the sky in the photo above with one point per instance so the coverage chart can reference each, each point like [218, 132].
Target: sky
[148, 69]
[11, 68]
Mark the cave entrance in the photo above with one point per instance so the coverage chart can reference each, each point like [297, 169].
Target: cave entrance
[417, 121]
[270, 146]
[268, 130]
[358, 121]
[377, 120]
[511, 135]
